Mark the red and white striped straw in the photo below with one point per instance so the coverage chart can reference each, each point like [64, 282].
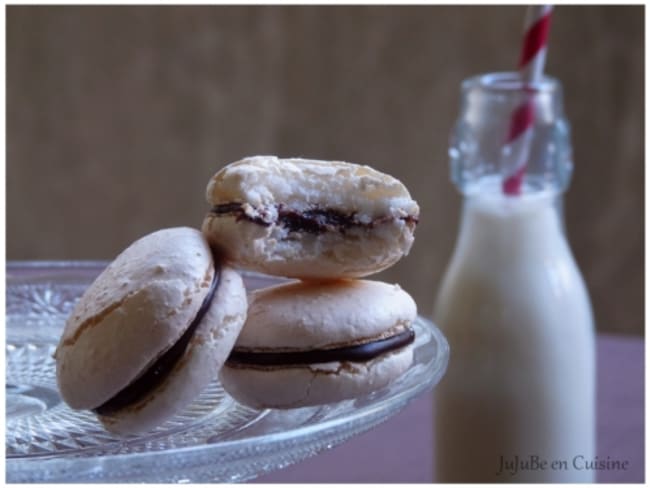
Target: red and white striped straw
[516, 148]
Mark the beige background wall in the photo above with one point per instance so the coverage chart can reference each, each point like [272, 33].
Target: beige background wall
[117, 117]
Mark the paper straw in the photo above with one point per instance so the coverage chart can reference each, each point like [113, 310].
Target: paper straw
[516, 149]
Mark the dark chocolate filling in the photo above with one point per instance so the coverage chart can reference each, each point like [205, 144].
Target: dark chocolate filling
[161, 368]
[314, 221]
[358, 353]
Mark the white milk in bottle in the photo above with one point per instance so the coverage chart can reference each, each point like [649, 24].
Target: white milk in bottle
[517, 402]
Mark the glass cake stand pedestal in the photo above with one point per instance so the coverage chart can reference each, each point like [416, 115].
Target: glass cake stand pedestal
[214, 440]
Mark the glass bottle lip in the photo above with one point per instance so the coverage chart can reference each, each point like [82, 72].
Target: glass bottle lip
[509, 82]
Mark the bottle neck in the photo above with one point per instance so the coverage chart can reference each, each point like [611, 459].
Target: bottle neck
[483, 145]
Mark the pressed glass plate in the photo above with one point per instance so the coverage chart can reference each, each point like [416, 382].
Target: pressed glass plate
[214, 439]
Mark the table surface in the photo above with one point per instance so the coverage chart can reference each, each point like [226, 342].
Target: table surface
[401, 449]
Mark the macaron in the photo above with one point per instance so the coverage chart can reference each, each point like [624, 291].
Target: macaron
[151, 332]
[309, 219]
[311, 343]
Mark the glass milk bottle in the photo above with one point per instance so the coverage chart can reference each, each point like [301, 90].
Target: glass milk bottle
[518, 401]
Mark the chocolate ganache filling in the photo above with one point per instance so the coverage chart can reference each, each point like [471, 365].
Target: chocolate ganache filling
[356, 354]
[161, 368]
[314, 220]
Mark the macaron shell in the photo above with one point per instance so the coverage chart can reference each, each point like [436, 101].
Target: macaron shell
[317, 384]
[178, 253]
[312, 315]
[266, 180]
[206, 353]
[137, 308]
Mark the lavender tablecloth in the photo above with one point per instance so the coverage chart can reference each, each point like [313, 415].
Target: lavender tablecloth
[401, 450]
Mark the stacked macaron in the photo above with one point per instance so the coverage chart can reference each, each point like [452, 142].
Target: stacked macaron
[329, 336]
[170, 313]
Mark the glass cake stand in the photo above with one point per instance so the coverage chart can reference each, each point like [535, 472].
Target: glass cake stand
[215, 439]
